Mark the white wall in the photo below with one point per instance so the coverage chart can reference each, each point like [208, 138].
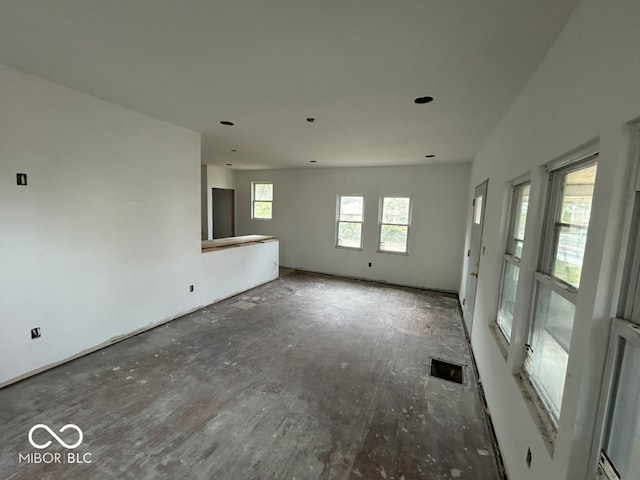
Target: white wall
[105, 239]
[587, 89]
[214, 177]
[304, 220]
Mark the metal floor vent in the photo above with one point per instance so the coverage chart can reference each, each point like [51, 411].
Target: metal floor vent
[446, 370]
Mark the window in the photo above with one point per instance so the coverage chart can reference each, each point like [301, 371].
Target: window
[557, 280]
[619, 407]
[477, 210]
[350, 217]
[262, 194]
[394, 224]
[511, 265]
[622, 434]
[621, 385]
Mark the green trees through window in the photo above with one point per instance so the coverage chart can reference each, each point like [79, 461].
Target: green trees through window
[262, 194]
[394, 224]
[350, 218]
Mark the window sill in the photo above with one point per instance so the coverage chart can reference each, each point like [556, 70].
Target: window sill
[406, 254]
[498, 335]
[539, 413]
[342, 247]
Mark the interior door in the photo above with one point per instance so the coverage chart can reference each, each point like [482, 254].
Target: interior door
[474, 253]
[223, 213]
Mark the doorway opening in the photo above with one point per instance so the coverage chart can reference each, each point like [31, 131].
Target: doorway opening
[223, 212]
[474, 252]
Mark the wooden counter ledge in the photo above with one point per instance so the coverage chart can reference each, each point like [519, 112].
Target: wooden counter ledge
[233, 242]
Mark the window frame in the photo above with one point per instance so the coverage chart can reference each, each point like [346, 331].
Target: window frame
[509, 256]
[625, 325]
[552, 214]
[381, 223]
[339, 221]
[543, 277]
[623, 334]
[254, 201]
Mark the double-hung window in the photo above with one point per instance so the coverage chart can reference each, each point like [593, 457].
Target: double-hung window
[511, 263]
[395, 218]
[621, 385]
[557, 280]
[350, 218]
[262, 200]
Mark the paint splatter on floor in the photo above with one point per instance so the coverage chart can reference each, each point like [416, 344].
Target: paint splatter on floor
[349, 398]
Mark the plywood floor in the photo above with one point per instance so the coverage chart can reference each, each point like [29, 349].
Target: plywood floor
[307, 377]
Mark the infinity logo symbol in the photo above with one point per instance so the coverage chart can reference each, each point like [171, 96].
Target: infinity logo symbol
[60, 441]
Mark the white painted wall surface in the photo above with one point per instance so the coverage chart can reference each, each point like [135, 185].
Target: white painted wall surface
[304, 220]
[587, 88]
[105, 239]
[216, 177]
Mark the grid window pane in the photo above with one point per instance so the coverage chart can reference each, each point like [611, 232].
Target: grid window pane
[508, 297]
[622, 442]
[395, 210]
[263, 191]
[350, 234]
[520, 220]
[262, 209]
[553, 322]
[351, 209]
[393, 238]
[571, 225]
[567, 264]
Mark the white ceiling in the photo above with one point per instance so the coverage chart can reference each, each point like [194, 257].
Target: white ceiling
[267, 65]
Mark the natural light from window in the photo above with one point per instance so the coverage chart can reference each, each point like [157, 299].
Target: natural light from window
[394, 224]
[350, 218]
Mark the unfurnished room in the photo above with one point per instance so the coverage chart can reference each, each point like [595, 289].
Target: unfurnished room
[300, 240]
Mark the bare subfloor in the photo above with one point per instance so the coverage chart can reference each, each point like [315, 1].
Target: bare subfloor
[307, 377]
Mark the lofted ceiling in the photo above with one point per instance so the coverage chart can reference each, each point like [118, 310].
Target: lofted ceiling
[356, 66]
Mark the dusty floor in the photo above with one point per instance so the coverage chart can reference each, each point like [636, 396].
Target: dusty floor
[307, 377]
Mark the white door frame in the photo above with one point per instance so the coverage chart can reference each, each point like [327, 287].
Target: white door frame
[479, 206]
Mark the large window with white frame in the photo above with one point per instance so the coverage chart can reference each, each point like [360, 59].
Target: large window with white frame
[395, 219]
[350, 220]
[511, 262]
[557, 280]
[617, 442]
[262, 200]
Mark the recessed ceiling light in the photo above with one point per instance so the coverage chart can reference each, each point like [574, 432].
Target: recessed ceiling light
[429, 156]
[313, 161]
[226, 122]
[311, 119]
[423, 99]
[234, 150]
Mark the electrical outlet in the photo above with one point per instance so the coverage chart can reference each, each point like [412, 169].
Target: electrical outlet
[35, 333]
[191, 288]
[369, 263]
